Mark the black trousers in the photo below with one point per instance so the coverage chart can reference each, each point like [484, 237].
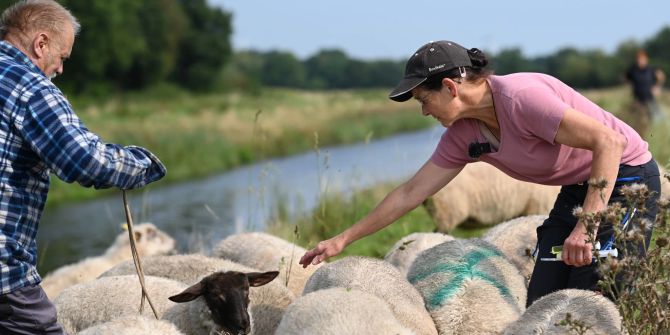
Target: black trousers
[28, 311]
[548, 277]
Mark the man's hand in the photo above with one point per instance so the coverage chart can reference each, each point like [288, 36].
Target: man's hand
[322, 251]
[576, 251]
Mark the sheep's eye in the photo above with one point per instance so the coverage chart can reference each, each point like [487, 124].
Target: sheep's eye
[222, 298]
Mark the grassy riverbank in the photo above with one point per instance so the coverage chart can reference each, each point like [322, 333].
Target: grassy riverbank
[337, 212]
[198, 135]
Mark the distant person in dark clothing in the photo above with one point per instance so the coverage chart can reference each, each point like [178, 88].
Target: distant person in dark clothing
[647, 82]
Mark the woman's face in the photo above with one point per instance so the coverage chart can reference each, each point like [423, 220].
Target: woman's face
[442, 104]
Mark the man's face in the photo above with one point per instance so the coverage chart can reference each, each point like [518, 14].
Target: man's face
[57, 51]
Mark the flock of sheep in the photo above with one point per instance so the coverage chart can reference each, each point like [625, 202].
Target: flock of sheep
[428, 283]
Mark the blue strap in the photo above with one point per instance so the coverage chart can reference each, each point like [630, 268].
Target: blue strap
[634, 178]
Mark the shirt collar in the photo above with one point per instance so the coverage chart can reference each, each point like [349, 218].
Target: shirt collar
[13, 52]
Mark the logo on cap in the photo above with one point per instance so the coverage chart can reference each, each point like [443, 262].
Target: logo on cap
[437, 67]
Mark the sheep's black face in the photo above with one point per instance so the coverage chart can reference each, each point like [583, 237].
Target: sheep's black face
[227, 296]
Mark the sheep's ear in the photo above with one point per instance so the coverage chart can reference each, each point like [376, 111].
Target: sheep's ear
[261, 278]
[189, 293]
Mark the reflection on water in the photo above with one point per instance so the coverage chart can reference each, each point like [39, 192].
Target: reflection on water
[199, 213]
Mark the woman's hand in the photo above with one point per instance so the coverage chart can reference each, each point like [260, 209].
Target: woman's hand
[576, 251]
[322, 251]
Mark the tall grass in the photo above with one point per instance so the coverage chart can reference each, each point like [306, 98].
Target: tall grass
[337, 211]
[198, 135]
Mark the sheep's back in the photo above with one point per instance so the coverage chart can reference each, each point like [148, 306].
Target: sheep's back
[133, 325]
[149, 241]
[588, 307]
[469, 287]
[105, 299]
[381, 279]
[338, 311]
[517, 238]
[188, 269]
[484, 195]
[267, 253]
[403, 252]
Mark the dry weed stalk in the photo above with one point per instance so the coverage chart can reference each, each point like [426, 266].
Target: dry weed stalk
[640, 285]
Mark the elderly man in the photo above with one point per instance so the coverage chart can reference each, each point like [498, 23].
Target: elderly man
[39, 134]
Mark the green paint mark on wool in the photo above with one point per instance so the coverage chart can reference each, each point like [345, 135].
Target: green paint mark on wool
[461, 271]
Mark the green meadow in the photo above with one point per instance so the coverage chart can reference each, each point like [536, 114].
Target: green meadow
[200, 135]
[197, 135]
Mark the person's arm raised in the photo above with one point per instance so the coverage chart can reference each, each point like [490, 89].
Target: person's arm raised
[580, 131]
[426, 182]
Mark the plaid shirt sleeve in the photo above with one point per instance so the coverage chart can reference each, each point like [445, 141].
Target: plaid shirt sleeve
[73, 153]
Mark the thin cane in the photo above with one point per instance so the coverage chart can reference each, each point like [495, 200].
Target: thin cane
[136, 257]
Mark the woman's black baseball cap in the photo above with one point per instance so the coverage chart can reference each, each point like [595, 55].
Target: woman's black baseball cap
[431, 58]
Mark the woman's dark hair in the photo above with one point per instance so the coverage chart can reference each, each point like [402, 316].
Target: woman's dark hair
[476, 72]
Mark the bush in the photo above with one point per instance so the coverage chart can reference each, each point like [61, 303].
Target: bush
[639, 285]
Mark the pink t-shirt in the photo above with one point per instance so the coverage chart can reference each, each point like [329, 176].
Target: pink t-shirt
[530, 107]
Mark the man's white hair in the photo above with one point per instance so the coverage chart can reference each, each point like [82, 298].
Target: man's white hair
[26, 17]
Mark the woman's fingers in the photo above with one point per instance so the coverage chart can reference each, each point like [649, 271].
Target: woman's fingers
[577, 255]
[314, 256]
[308, 257]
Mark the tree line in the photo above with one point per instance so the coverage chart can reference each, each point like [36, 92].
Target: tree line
[333, 69]
[131, 45]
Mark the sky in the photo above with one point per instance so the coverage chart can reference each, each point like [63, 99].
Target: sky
[393, 29]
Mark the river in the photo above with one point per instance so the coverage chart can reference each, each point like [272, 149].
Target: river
[200, 213]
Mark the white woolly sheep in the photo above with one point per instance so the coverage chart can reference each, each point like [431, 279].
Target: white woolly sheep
[517, 239]
[588, 307]
[337, 311]
[266, 252]
[469, 287]
[483, 195]
[88, 304]
[133, 325]
[403, 252]
[149, 241]
[381, 279]
[267, 303]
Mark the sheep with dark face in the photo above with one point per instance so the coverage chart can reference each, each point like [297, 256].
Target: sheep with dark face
[224, 304]
[267, 303]
[219, 302]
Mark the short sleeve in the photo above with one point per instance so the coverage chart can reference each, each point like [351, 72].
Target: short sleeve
[538, 111]
[452, 149]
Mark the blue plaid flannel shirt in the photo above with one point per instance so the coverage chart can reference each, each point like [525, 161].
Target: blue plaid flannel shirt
[39, 135]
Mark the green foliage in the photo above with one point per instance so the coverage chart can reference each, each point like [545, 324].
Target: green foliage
[282, 69]
[510, 61]
[205, 47]
[658, 49]
[128, 45]
[336, 212]
[196, 135]
[334, 69]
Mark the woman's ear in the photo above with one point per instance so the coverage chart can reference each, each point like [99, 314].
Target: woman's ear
[451, 86]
